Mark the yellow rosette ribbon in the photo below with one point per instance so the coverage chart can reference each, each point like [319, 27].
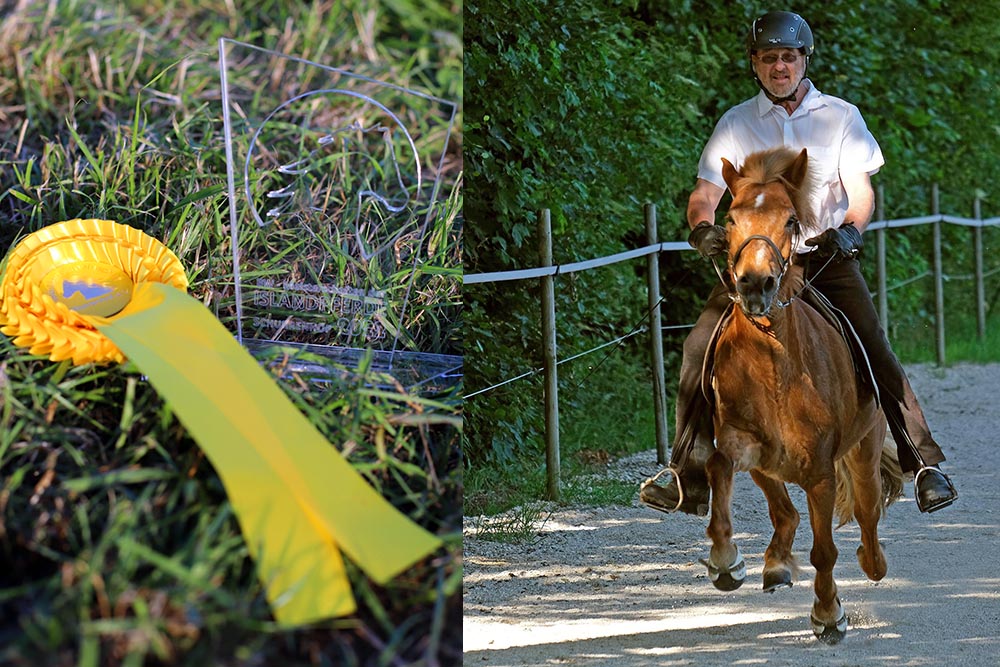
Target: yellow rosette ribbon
[99, 291]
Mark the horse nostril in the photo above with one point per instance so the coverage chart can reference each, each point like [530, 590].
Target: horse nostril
[756, 282]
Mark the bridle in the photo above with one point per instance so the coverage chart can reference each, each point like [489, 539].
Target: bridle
[783, 262]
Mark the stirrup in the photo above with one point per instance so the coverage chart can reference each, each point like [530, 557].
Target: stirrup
[652, 481]
[924, 469]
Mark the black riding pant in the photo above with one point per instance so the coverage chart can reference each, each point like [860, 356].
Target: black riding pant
[842, 284]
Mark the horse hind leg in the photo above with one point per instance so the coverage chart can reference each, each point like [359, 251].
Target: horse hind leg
[726, 567]
[869, 497]
[829, 621]
[780, 565]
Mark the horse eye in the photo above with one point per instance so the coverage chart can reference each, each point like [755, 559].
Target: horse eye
[792, 221]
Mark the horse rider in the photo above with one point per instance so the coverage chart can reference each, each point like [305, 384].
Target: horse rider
[790, 110]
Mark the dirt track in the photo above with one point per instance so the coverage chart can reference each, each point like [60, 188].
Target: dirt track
[623, 587]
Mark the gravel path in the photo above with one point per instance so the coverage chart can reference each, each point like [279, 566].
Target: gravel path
[622, 586]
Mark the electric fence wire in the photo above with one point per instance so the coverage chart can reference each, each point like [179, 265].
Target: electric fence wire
[947, 277]
[536, 371]
[638, 328]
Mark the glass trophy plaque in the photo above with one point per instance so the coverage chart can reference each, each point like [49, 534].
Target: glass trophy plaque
[339, 193]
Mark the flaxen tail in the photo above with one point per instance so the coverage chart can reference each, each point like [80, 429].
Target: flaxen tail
[892, 483]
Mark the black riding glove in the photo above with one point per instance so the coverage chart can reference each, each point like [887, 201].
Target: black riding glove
[845, 241]
[708, 239]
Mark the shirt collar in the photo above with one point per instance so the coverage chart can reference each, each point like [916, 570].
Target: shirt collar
[812, 100]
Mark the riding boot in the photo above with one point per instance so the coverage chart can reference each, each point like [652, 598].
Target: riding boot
[687, 490]
[932, 488]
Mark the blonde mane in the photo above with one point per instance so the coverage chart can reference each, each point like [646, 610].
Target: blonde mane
[770, 166]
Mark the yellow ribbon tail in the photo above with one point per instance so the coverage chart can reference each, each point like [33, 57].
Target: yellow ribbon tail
[295, 496]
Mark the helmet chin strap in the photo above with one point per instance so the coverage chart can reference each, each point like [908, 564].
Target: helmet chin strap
[779, 100]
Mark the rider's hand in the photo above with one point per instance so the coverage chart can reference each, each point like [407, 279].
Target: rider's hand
[845, 241]
[708, 239]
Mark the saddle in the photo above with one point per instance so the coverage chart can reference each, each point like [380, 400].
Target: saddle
[836, 318]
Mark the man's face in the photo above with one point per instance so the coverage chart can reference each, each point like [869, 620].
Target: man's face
[780, 70]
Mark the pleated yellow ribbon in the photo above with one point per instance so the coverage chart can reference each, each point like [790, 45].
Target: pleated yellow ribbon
[94, 290]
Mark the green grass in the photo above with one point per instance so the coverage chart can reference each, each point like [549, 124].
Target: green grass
[611, 419]
[492, 489]
[518, 525]
[962, 342]
[117, 543]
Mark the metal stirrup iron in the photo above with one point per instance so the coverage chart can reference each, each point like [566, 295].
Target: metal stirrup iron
[652, 481]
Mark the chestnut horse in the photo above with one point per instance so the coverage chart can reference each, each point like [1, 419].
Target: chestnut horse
[788, 405]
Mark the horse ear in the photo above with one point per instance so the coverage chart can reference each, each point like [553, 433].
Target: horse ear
[729, 174]
[797, 171]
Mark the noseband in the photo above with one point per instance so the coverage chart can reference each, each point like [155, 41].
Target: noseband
[775, 251]
[783, 262]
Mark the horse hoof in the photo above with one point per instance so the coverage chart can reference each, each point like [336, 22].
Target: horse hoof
[730, 577]
[775, 579]
[830, 634]
[877, 568]
[727, 582]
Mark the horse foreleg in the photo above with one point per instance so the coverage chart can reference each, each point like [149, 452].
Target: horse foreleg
[726, 568]
[828, 618]
[866, 480]
[780, 566]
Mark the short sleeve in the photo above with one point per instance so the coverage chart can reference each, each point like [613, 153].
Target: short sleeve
[859, 151]
[719, 145]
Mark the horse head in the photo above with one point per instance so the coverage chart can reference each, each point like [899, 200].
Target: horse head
[770, 196]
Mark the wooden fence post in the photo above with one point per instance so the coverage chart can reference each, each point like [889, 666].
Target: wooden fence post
[938, 278]
[656, 337]
[550, 360]
[977, 236]
[883, 288]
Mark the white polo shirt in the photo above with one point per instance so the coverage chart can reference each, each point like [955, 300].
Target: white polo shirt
[832, 131]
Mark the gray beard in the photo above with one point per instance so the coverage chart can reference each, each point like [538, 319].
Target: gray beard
[787, 98]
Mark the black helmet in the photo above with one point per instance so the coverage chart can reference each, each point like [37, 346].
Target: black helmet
[776, 30]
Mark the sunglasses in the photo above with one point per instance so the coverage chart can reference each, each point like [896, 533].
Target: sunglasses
[771, 58]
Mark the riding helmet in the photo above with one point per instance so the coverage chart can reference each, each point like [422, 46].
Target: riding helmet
[776, 30]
